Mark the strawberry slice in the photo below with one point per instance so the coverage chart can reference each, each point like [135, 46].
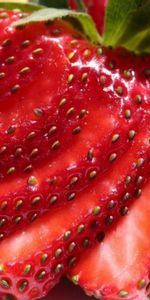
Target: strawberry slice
[92, 84]
[42, 253]
[119, 267]
[71, 73]
[31, 115]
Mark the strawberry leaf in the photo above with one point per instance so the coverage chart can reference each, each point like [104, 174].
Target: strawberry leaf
[22, 6]
[61, 4]
[53, 3]
[83, 22]
[127, 24]
[80, 5]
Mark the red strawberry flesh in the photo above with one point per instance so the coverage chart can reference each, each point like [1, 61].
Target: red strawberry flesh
[119, 266]
[33, 123]
[79, 225]
[100, 88]
[94, 149]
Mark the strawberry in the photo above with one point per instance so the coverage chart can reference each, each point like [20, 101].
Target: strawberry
[6, 18]
[96, 8]
[108, 89]
[27, 133]
[36, 127]
[46, 249]
[119, 266]
[92, 137]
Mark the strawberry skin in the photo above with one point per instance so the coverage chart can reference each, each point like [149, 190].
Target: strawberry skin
[110, 84]
[49, 247]
[6, 18]
[119, 267]
[29, 120]
[34, 122]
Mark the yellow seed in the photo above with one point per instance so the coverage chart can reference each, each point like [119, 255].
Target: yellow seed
[38, 51]
[10, 59]
[24, 70]
[31, 135]
[27, 269]
[11, 170]
[2, 75]
[87, 53]
[4, 205]
[115, 138]
[44, 258]
[36, 200]
[55, 145]
[84, 77]
[70, 78]
[96, 210]
[62, 102]
[70, 111]
[6, 42]
[19, 203]
[127, 113]
[123, 294]
[32, 181]
[140, 162]
[119, 90]
[92, 174]
[58, 253]
[25, 43]
[58, 268]
[71, 55]
[34, 152]
[112, 157]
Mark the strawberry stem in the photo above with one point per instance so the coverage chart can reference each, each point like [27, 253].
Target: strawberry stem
[81, 5]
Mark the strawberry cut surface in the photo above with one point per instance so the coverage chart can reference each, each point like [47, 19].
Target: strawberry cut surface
[34, 123]
[119, 266]
[74, 149]
[48, 248]
[48, 133]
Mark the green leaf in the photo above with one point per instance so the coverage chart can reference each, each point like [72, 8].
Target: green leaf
[60, 4]
[81, 21]
[54, 3]
[81, 6]
[23, 7]
[127, 24]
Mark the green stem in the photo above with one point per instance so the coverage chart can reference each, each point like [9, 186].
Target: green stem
[81, 5]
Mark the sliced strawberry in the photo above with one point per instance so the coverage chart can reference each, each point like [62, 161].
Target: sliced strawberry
[72, 73]
[94, 84]
[120, 266]
[28, 120]
[53, 243]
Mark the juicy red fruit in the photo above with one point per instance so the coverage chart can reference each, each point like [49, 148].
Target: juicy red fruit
[34, 123]
[26, 122]
[100, 86]
[49, 247]
[106, 148]
[6, 18]
[119, 266]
